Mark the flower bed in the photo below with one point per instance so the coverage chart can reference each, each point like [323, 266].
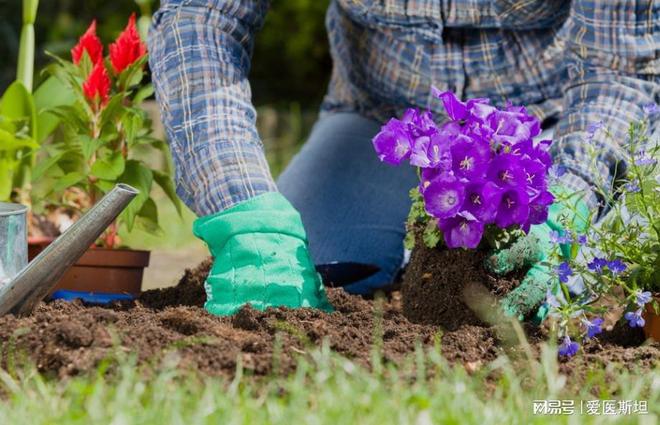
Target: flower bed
[67, 339]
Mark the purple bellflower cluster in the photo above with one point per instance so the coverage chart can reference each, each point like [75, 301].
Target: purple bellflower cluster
[479, 168]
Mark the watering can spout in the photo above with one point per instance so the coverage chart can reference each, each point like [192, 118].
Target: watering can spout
[38, 278]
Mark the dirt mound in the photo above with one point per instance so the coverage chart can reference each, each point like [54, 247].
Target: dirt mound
[66, 339]
[437, 285]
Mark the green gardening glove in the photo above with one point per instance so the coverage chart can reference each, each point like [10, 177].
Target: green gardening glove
[260, 258]
[534, 252]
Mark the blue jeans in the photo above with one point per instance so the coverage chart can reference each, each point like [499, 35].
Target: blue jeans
[353, 206]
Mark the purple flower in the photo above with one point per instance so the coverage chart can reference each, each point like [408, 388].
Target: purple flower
[419, 123]
[643, 159]
[568, 348]
[393, 143]
[430, 152]
[557, 171]
[513, 208]
[564, 271]
[444, 196]
[593, 128]
[427, 175]
[642, 298]
[538, 207]
[513, 126]
[462, 231]
[535, 173]
[560, 237]
[616, 267]
[456, 110]
[469, 157]
[632, 186]
[593, 327]
[481, 200]
[597, 264]
[635, 319]
[651, 109]
[582, 239]
[505, 170]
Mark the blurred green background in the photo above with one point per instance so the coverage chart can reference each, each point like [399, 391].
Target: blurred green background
[291, 61]
[289, 75]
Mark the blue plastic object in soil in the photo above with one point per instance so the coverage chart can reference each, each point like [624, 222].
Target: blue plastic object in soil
[90, 297]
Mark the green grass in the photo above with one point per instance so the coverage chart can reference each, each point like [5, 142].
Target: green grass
[325, 389]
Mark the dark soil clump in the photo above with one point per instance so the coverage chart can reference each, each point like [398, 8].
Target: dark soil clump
[437, 285]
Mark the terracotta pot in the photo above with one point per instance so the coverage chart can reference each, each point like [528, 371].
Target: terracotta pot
[103, 270]
[36, 244]
[652, 326]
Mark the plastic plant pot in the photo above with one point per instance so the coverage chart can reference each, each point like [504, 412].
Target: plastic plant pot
[101, 270]
[652, 325]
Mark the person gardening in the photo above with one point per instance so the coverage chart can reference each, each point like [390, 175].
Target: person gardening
[576, 65]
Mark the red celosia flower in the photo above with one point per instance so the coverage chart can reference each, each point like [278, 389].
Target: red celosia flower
[97, 86]
[88, 42]
[127, 48]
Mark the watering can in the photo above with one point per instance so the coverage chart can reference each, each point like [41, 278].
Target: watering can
[23, 285]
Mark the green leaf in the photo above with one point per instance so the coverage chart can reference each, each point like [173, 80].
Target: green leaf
[89, 146]
[17, 104]
[111, 109]
[6, 171]
[148, 217]
[51, 93]
[110, 167]
[68, 180]
[143, 93]
[9, 142]
[165, 182]
[42, 167]
[140, 177]
[431, 235]
[132, 123]
[105, 186]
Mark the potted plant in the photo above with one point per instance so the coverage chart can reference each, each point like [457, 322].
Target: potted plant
[483, 184]
[93, 148]
[620, 260]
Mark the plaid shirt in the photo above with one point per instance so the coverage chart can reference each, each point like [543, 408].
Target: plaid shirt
[578, 62]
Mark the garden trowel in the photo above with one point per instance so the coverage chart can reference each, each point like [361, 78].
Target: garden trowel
[339, 274]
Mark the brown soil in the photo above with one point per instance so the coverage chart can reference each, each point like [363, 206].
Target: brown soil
[66, 339]
[438, 285]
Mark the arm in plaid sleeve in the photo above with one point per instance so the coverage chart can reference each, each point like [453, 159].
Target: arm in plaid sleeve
[200, 53]
[613, 51]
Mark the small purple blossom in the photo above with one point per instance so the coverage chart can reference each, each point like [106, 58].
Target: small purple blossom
[561, 237]
[538, 207]
[568, 348]
[444, 196]
[582, 239]
[456, 110]
[593, 327]
[642, 159]
[481, 200]
[631, 186]
[597, 265]
[556, 171]
[393, 143]
[616, 267]
[593, 128]
[643, 298]
[564, 271]
[651, 109]
[513, 208]
[462, 231]
[635, 319]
